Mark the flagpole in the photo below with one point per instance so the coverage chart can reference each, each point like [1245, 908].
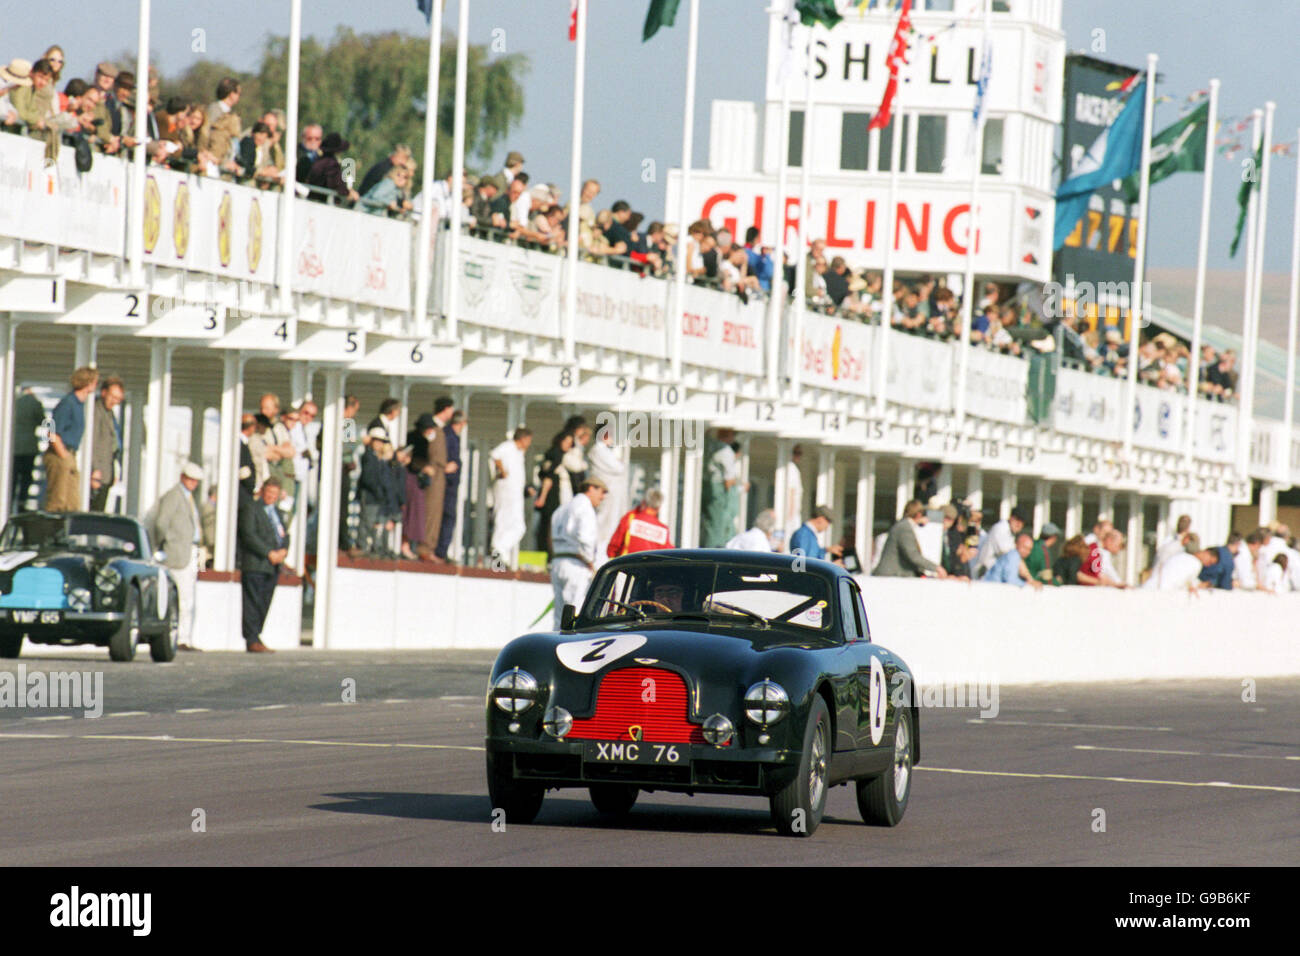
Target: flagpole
[1252, 207]
[887, 279]
[683, 201]
[1256, 289]
[968, 282]
[776, 302]
[424, 232]
[805, 217]
[1139, 262]
[289, 139]
[452, 303]
[1202, 252]
[139, 159]
[1293, 311]
[574, 237]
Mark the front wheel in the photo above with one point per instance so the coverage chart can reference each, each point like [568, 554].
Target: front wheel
[11, 643]
[121, 646]
[613, 799]
[797, 809]
[882, 800]
[520, 801]
[162, 647]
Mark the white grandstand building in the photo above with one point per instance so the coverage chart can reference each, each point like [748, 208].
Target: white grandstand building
[202, 294]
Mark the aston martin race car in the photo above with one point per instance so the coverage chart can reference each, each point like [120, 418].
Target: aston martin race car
[706, 672]
[82, 578]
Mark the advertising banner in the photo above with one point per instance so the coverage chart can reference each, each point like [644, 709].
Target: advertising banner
[621, 310]
[1216, 431]
[1087, 404]
[995, 385]
[1158, 419]
[210, 225]
[58, 205]
[720, 331]
[343, 254]
[920, 372]
[836, 354]
[507, 287]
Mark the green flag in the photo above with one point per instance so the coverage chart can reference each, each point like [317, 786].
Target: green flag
[661, 14]
[1248, 184]
[817, 11]
[1175, 149]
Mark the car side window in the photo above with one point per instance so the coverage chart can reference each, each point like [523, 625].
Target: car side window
[850, 611]
[860, 609]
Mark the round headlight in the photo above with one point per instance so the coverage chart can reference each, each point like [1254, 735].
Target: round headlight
[766, 703]
[718, 730]
[557, 722]
[515, 691]
[79, 599]
[107, 579]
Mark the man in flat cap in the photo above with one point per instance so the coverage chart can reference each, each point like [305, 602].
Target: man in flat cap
[177, 530]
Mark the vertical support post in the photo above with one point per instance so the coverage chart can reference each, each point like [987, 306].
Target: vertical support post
[864, 516]
[903, 490]
[86, 341]
[452, 303]
[424, 231]
[7, 401]
[781, 491]
[228, 463]
[327, 540]
[155, 420]
[1073, 510]
[1010, 488]
[1139, 261]
[743, 517]
[975, 488]
[1042, 505]
[692, 479]
[669, 461]
[284, 261]
[1106, 504]
[683, 205]
[457, 550]
[1202, 252]
[1267, 502]
[135, 195]
[575, 191]
[1133, 546]
[826, 491]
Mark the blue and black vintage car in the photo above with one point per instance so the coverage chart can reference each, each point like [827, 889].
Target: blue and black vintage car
[82, 578]
[706, 672]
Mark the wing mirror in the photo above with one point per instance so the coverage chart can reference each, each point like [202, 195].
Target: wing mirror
[568, 617]
[160, 556]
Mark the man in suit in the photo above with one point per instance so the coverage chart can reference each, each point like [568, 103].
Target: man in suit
[177, 529]
[263, 546]
[901, 557]
[451, 495]
[106, 451]
[222, 126]
[308, 150]
[247, 468]
[436, 467]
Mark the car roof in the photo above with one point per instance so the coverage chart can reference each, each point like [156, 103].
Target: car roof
[750, 559]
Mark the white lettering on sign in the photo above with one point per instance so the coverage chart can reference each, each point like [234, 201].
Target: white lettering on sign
[647, 531]
[1096, 110]
[589, 656]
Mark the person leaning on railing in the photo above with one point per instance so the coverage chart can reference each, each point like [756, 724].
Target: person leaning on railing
[387, 196]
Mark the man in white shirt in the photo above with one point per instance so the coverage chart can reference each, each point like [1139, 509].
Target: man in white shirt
[1001, 540]
[574, 546]
[1175, 544]
[1243, 568]
[757, 538]
[1182, 572]
[721, 492]
[790, 508]
[509, 468]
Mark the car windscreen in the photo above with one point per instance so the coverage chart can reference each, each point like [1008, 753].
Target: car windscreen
[726, 593]
[35, 531]
[88, 532]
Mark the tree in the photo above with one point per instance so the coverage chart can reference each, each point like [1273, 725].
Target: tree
[371, 89]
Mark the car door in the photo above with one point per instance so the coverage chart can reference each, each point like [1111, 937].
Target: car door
[858, 645]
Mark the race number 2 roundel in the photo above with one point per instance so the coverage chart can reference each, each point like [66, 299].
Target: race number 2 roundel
[587, 657]
[877, 701]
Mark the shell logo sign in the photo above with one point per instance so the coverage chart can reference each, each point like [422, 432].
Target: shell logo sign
[224, 229]
[254, 236]
[152, 214]
[837, 340]
[181, 220]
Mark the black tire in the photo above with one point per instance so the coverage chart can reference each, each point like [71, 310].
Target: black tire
[520, 801]
[121, 646]
[798, 807]
[162, 647]
[613, 799]
[882, 800]
[11, 643]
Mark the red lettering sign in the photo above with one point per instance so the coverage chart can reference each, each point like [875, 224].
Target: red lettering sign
[707, 212]
[696, 325]
[949, 234]
[920, 237]
[832, 242]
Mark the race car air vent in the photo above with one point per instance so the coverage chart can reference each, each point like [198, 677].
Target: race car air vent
[651, 701]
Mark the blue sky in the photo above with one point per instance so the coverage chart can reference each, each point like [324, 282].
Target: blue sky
[635, 91]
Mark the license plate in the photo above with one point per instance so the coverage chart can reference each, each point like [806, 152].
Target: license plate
[627, 751]
[37, 617]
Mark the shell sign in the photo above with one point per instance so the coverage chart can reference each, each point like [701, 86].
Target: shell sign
[181, 220]
[152, 214]
[224, 229]
[254, 236]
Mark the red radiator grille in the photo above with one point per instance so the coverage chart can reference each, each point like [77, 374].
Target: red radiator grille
[621, 705]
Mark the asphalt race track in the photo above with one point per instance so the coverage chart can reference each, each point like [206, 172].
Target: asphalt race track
[285, 772]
